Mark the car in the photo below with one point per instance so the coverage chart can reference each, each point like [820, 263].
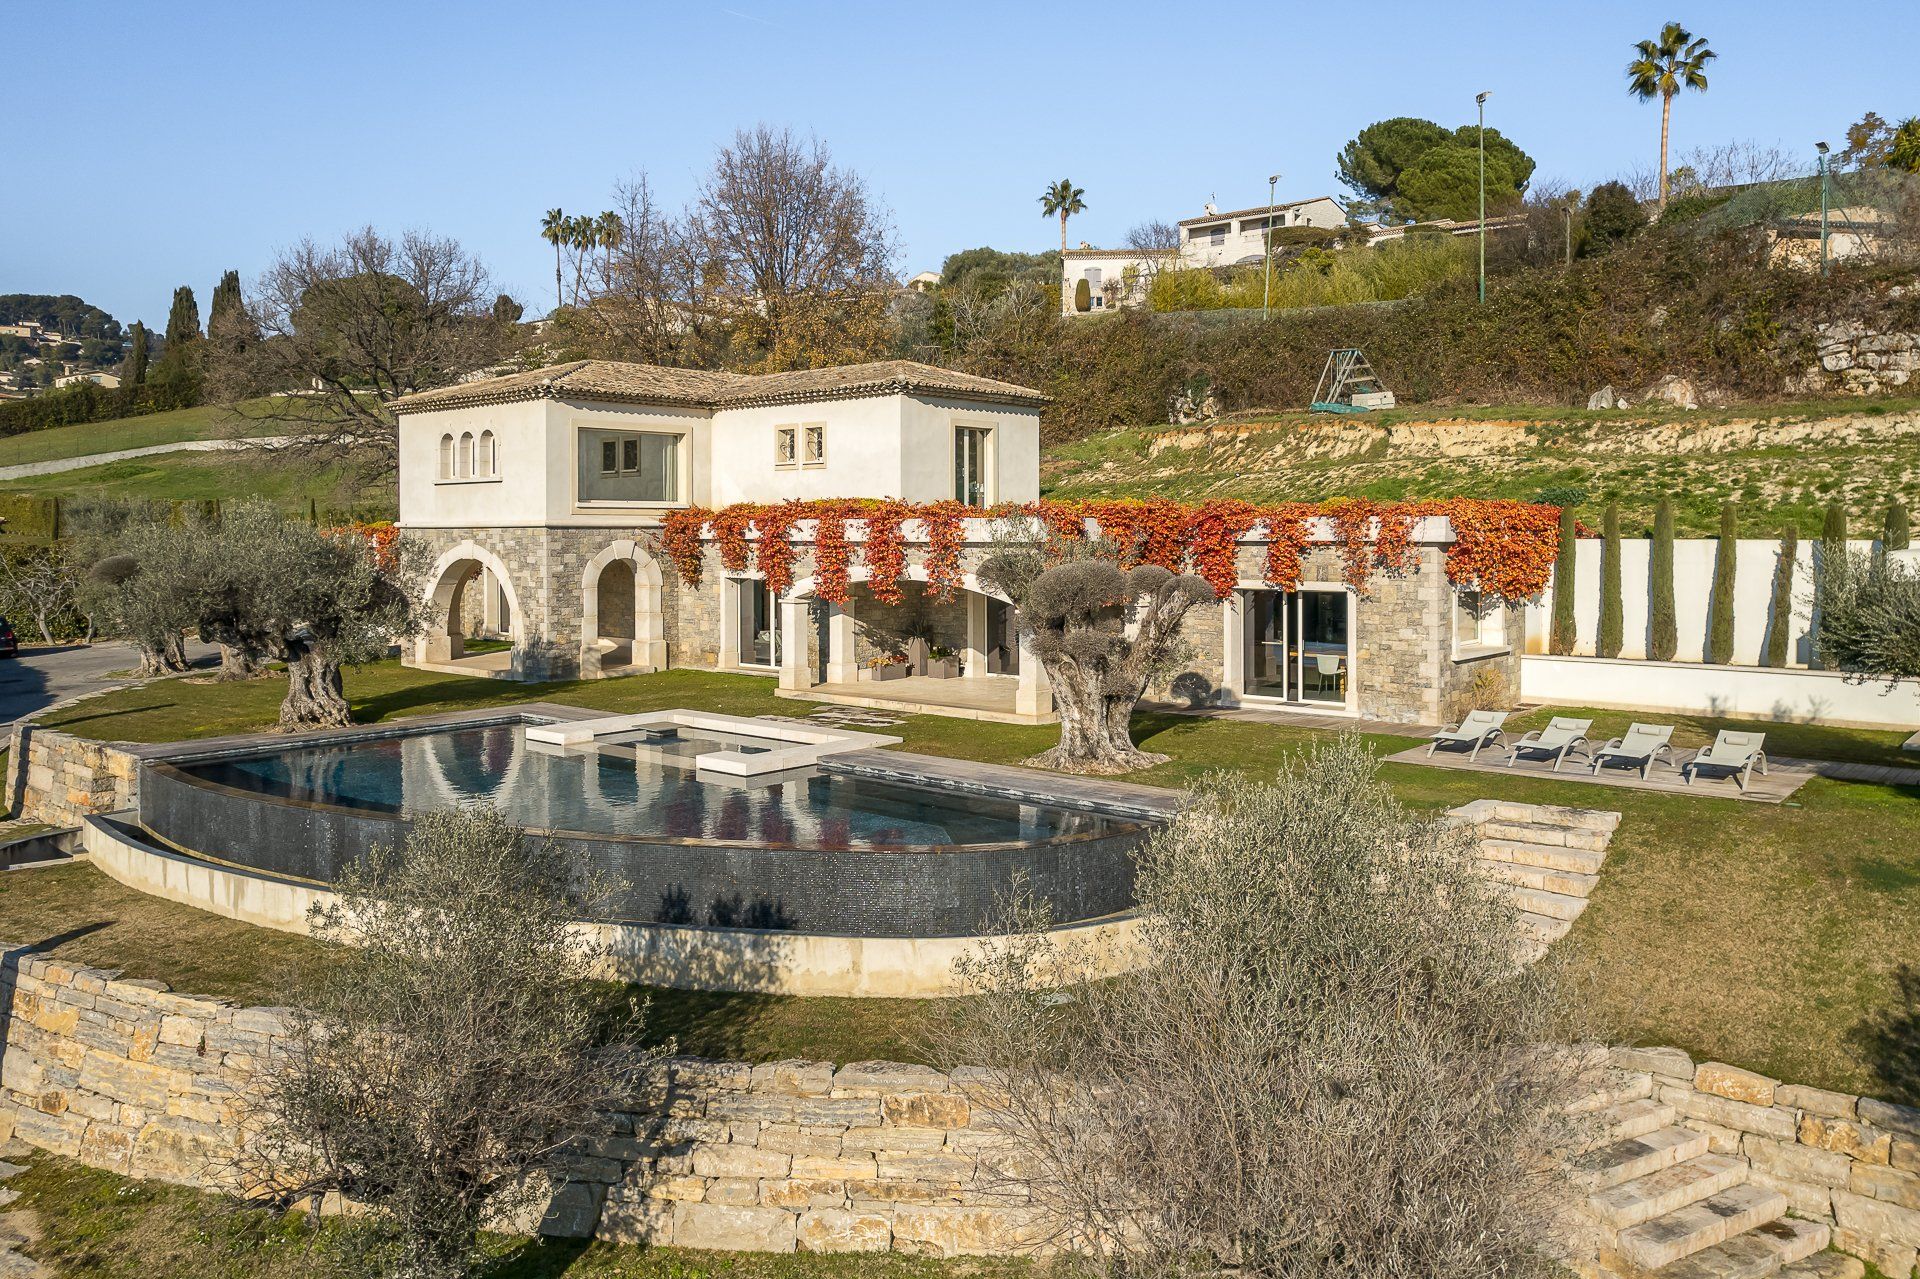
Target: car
[9, 646]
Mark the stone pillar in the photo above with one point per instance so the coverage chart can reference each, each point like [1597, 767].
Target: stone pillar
[730, 589]
[975, 657]
[796, 672]
[1233, 663]
[492, 605]
[1034, 696]
[843, 657]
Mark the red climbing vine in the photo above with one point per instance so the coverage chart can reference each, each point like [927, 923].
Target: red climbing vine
[1501, 547]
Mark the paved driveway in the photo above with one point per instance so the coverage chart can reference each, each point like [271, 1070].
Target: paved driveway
[41, 676]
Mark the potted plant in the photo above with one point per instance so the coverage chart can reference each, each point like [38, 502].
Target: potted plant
[943, 663]
[885, 666]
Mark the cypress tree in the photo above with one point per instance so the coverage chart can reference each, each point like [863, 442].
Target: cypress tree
[1720, 624]
[1780, 624]
[1895, 535]
[227, 311]
[1566, 632]
[1613, 622]
[1663, 639]
[137, 357]
[183, 320]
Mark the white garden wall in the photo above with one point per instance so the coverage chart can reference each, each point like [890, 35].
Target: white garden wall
[1739, 692]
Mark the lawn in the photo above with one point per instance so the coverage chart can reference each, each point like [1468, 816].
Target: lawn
[200, 477]
[1756, 934]
[106, 1227]
[207, 422]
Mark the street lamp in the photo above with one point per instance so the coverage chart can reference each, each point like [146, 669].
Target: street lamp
[1480, 100]
[1821, 147]
[1266, 297]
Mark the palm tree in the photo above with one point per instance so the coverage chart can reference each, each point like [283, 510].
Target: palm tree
[608, 231]
[582, 235]
[1662, 68]
[553, 229]
[1062, 198]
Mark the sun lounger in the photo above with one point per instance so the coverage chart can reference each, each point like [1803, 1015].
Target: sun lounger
[1560, 738]
[1642, 745]
[1739, 752]
[1478, 729]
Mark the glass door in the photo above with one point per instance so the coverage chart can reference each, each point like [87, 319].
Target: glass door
[759, 624]
[1298, 646]
[970, 465]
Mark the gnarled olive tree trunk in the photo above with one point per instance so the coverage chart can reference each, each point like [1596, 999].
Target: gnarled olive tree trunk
[316, 695]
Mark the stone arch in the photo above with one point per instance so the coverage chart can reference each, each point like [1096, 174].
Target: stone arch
[452, 573]
[641, 632]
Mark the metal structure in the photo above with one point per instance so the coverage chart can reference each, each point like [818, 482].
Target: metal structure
[1348, 384]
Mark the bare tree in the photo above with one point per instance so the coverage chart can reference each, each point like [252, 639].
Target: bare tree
[1157, 241]
[43, 583]
[349, 328]
[1102, 632]
[803, 251]
[1330, 1063]
[648, 301]
[449, 1051]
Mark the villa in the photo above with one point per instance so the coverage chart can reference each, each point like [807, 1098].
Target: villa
[545, 497]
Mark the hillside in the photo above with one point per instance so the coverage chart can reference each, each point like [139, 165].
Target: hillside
[1783, 463]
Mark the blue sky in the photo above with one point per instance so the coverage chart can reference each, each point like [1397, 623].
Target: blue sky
[171, 142]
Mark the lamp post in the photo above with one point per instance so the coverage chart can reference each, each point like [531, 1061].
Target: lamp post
[1266, 295]
[1480, 100]
[1821, 147]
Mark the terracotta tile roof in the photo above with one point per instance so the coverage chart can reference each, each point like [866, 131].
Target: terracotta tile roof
[1258, 208]
[613, 380]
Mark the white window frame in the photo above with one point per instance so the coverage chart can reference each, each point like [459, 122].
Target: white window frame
[809, 433]
[1235, 644]
[1478, 634]
[786, 447]
[988, 457]
[736, 603]
[683, 464]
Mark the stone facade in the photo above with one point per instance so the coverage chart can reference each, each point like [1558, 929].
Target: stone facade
[1404, 657]
[800, 1156]
[1861, 360]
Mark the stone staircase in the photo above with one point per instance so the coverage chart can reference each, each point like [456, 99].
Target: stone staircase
[1655, 1202]
[1549, 856]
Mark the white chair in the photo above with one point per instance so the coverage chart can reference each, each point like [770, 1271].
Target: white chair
[1478, 729]
[1560, 738]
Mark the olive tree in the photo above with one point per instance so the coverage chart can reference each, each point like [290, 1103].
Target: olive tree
[1329, 1062]
[1103, 633]
[449, 1054]
[1869, 607]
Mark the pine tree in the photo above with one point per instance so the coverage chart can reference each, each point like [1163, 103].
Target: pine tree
[137, 357]
[1566, 630]
[1780, 623]
[183, 320]
[1720, 623]
[1612, 608]
[1894, 534]
[1663, 640]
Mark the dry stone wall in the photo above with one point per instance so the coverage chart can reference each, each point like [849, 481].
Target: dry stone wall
[68, 778]
[1850, 1161]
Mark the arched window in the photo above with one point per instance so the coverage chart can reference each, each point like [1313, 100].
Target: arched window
[486, 461]
[466, 455]
[446, 457]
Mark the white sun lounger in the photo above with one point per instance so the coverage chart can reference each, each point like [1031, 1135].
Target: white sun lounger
[1478, 729]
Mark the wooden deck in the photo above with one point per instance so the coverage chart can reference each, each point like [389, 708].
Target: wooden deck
[1782, 780]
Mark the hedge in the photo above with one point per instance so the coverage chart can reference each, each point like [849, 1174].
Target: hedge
[86, 402]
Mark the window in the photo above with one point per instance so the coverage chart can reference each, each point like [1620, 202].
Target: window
[1479, 623]
[446, 457]
[487, 463]
[786, 450]
[970, 445]
[464, 466]
[759, 621]
[629, 466]
[813, 444]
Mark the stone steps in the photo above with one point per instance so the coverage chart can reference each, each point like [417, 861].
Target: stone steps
[1561, 906]
[1624, 1160]
[1549, 857]
[1663, 1240]
[1623, 1121]
[1580, 861]
[1771, 1248]
[1670, 1189]
[1549, 834]
[1545, 879]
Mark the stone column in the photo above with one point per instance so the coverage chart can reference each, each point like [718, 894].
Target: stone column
[1034, 696]
[730, 589]
[796, 672]
[490, 603]
[843, 657]
[1233, 663]
[975, 657]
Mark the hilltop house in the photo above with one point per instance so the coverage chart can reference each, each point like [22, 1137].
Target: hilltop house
[545, 498]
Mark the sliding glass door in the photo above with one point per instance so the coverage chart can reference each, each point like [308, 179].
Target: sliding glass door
[1299, 646]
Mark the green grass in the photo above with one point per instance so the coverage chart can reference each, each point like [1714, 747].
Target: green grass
[206, 422]
[1756, 934]
[199, 477]
[1783, 472]
[100, 1226]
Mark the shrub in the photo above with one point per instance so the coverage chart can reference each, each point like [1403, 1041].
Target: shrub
[1082, 295]
[1663, 634]
[1566, 630]
[1780, 619]
[1298, 1082]
[1870, 620]
[1612, 606]
[1720, 623]
[1613, 213]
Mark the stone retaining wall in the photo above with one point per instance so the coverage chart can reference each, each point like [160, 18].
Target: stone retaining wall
[62, 779]
[1851, 1161]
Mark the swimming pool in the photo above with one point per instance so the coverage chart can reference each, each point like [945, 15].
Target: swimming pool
[818, 849]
